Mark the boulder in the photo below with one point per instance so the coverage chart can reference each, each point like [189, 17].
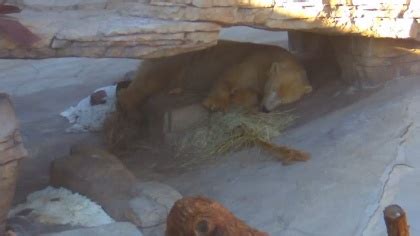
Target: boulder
[11, 152]
[103, 178]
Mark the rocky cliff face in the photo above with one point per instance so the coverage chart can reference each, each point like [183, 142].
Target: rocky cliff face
[378, 39]
[91, 29]
[376, 18]
[156, 28]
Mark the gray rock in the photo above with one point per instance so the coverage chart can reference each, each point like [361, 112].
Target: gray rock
[119, 228]
[154, 202]
[160, 193]
[148, 211]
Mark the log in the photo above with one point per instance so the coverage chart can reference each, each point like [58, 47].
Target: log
[204, 216]
[396, 221]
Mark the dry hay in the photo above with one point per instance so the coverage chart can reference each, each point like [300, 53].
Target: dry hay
[235, 130]
[223, 133]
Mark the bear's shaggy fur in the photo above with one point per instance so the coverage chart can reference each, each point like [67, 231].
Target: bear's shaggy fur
[270, 75]
[240, 74]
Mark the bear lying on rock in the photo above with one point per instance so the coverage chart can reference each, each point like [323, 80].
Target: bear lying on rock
[239, 74]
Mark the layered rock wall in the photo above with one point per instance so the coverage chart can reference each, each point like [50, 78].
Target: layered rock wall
[372, 40]
[156, 28]
[88, 29]
[374, 18]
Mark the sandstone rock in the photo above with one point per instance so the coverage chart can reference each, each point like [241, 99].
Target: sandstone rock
[369, 62]
[107, 33]
[8, 177]
[111, 28]
[161, 28]
[100, 176]
[119, 228]
[376, 19]
[11, 151]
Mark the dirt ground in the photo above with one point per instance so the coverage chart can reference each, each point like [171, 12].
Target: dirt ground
[362, 157]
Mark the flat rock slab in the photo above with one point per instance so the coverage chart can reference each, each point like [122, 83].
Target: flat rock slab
[380, 19]
[159, 28]
[107, 33]
[119, 228]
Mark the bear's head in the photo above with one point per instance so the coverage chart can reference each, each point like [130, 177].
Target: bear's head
[286, 83]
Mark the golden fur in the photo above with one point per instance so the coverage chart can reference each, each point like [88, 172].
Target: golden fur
[274, 76]
[242, 74]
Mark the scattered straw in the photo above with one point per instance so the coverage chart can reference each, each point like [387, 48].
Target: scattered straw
[224, 133]
[233, 131]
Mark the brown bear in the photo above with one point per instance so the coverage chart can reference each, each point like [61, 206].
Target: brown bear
[242, 74]
[272, 75]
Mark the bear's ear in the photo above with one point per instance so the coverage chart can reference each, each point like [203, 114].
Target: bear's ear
[308, 89]
[275, 68]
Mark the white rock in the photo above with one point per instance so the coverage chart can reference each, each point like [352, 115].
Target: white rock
[61, 206]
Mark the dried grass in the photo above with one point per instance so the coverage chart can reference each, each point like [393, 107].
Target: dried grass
[233, 131]
[223, 133]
